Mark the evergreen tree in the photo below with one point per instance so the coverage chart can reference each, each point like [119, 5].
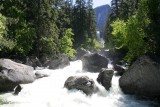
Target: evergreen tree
[67, 44]
[80, 23]
[19, 30]
[115, 7]
[115, 13]
[4, 42]
[69, 10]
[128, 8]
[91, 23]
[153, 30]
[42, 15]
[63, 22]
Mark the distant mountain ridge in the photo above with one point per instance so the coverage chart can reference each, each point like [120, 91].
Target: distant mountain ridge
[102, 12]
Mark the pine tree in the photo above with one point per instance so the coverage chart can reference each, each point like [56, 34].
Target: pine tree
[19, 30]
[69, 13]
[91, 23]
[63, 21]
[115, 6]
[153, 30]
[69, 8]
[128, 8]
[42, 15]
[79, 23]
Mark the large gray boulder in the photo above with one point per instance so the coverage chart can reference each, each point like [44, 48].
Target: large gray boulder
[142, 78]
[33, 61]
[105, 78]
[80, 53]
[60, 62]
[12, 74]
[116, 55]
[94, 62]
[82, 83]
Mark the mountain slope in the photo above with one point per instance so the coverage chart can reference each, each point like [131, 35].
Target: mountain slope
[102, 13]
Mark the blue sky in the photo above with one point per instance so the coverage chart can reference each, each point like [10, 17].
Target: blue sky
[100, 2]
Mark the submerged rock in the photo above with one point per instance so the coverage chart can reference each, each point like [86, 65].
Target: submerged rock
[142, 78]
[94, 62]
[82, 83]
[105, 78]
[12, 74]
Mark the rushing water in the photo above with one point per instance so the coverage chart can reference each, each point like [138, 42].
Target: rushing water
[49, 92]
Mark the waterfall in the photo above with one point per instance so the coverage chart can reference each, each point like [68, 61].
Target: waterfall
[50, 92]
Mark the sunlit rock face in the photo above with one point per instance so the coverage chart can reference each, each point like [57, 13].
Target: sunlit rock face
[82, 83]
[12, 74]
[142, 78]
[102, 13]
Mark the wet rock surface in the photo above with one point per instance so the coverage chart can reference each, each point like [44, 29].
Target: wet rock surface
[94, 62]
[105, 78]
[82, 83]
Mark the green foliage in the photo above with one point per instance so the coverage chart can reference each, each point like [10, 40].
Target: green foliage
[43, 17]
[48, 46]
[135, 38]
[24, 38]
[130, 34]
[67, 44]
[2, 25]
[153, 30]
[84, 25]
[4, 42]
[92, 44]
[137, 28]
[119, 33]
[40, 27]
[19, 30]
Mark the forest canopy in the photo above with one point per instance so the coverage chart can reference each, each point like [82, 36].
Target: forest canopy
[46, 27]
[134, 26]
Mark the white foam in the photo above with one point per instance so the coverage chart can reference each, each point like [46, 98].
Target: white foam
[49, 92]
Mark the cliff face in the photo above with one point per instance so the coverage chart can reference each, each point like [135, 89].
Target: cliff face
[102, 13]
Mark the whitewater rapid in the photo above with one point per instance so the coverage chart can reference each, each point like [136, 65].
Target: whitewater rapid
[50, 92]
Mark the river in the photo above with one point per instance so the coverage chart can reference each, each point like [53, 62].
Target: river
[50, 92]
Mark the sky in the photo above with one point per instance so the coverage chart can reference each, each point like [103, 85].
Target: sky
[100, 2]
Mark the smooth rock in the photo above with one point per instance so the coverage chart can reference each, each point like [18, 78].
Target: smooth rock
[82, 83]
[105, 78]
[142, 78]
[12, 74]
[94, 62]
